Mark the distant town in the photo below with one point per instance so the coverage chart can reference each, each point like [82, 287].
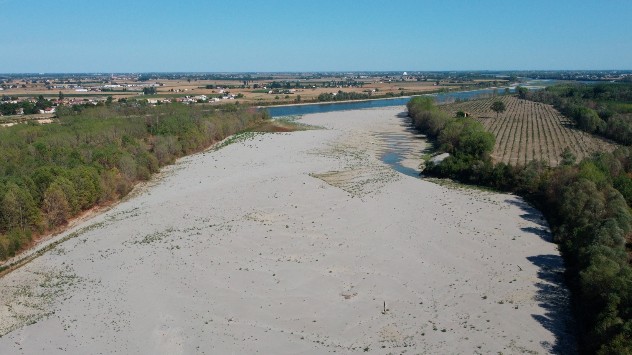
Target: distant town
[37, 96]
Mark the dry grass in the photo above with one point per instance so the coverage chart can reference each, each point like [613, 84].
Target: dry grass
[307, 94]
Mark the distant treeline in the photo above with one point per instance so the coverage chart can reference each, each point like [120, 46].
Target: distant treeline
[604, 109]
[50, 173]
[586, 204]
[8, 108]
[343, 96]
[350, 96]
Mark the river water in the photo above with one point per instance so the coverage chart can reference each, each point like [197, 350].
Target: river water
[398, 148]
[298, 110]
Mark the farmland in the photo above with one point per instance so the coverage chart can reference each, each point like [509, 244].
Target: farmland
[529, 130]
[255, 90]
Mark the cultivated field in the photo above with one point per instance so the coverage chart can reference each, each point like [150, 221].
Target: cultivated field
[182, 87]
[530, 130]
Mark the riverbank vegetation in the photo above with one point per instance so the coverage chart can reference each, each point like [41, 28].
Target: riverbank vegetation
[587, 206]
[50, 173]
[464, 138]
[343, 96]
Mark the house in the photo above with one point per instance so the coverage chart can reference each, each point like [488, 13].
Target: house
[48, 110]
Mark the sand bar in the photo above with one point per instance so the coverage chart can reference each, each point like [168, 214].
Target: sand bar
[295, 243]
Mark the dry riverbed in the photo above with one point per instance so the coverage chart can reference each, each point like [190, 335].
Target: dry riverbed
[302, 242]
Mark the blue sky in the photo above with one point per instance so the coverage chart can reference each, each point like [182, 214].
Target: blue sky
[320, 35]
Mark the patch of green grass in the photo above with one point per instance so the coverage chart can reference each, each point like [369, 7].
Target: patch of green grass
[294, 121]
[620, 107]
[155, 237]
[285, 124]
[239, 137]
[426, 156]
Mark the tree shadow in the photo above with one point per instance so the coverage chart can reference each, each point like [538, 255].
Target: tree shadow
[407, 122]
[552, 294]
[542, 232]
[554, 298]
[532, 214]
[404, 114]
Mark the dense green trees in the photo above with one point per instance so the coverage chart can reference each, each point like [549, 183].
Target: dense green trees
[343, 96]
[151, 90]
[49, 173]
[591, 222]
[426, 117]
[27, 107]
[18, 208]
[619, 128]
[586, 204]
[498, 107]
[56, 205]
[464, 138]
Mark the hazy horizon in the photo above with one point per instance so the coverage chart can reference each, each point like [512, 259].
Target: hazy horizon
[491, 71]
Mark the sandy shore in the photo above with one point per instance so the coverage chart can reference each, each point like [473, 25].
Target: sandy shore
[293, 243]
